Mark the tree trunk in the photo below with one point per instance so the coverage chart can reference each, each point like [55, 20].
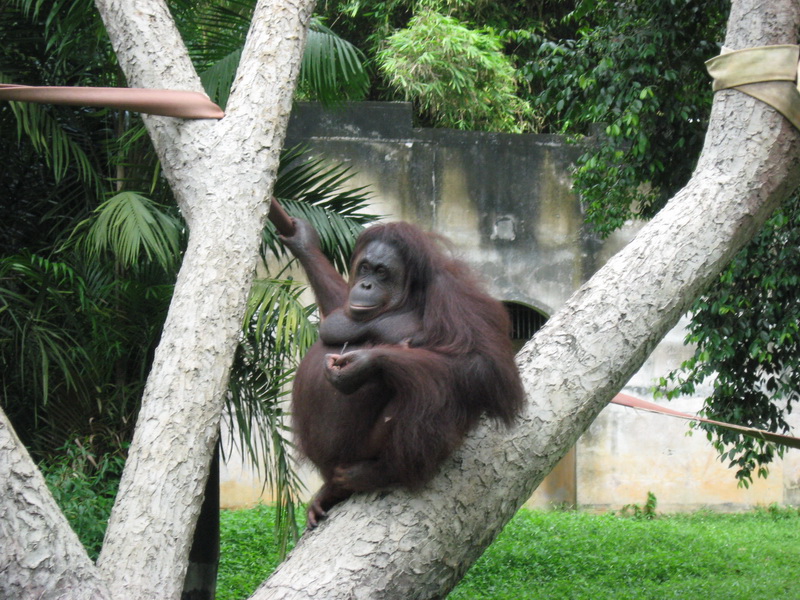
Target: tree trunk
[221, 173]
[40, 556]
[417, 546]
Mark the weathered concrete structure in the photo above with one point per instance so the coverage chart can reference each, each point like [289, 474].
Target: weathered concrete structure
[506, 203]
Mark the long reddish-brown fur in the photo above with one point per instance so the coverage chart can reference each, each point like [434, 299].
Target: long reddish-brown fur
[433, 389]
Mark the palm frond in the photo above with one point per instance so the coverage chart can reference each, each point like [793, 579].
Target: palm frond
[221, 28]
[71, 28]
[132, 226]
[37, 303]
[332, 68]
[337, 233]
[215, 35]
[318, 181]
[274, 309]
[277, 330]
[211, 30]
[218, 78]
[314, 189]
[60, 151]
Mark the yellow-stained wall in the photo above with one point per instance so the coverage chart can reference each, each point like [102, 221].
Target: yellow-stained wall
[507, 205]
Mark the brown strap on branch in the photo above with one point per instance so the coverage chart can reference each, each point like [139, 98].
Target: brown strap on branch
[166, 103]
[777, 438]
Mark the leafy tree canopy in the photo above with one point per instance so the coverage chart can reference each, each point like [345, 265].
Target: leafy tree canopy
[457, 76]
[628, 74]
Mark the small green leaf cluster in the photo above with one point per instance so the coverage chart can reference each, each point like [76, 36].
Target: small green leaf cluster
[747, 339]
[135, 229]
[648, 511]
[457, 77]
[84, 485]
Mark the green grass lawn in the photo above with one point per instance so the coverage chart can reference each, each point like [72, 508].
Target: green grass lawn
[576, 555]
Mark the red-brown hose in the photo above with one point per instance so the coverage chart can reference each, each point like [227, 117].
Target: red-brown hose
[167, 103]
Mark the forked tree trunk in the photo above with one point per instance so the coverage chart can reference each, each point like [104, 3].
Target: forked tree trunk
[222, 173]
[393, 545]
[417, 546]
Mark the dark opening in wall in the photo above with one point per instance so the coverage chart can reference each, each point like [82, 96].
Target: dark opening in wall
[525, 321]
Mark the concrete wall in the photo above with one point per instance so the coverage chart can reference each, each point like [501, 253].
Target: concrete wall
[506, 203]
[504, 200]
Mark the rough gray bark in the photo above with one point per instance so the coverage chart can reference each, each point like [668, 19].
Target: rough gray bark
[41, 556]
[222, 174]
[417, 546]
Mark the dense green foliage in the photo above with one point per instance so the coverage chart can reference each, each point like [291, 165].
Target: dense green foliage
[639, 72]
[457, 77]
[631, 71]
[748, 340]
[454, 59]
[581, 556]
[633, 75]
[635, 69]
[627, 73]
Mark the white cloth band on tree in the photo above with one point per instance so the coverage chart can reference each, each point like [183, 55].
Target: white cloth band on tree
[768, 73]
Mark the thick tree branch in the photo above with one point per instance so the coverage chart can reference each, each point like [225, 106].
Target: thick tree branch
[222, 173]
[403, 545]
[152, 55]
